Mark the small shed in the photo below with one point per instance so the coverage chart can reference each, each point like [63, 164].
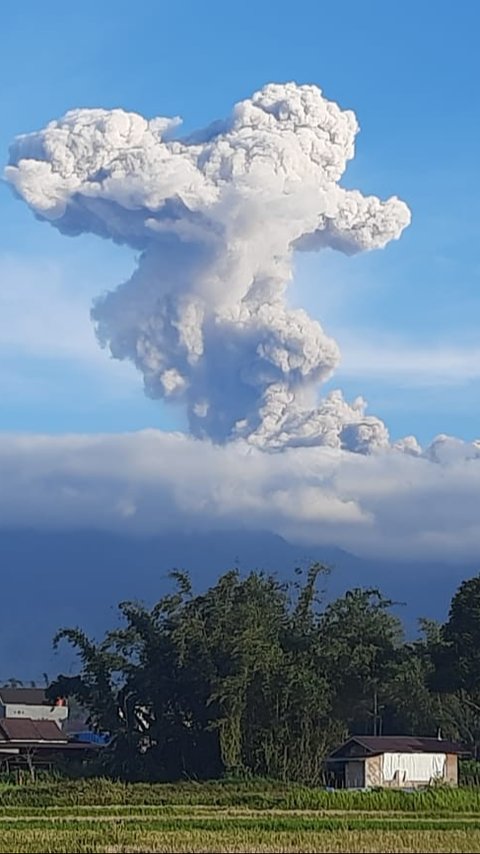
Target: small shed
[395, 761]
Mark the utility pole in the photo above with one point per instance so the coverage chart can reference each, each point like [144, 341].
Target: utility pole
[377, 717]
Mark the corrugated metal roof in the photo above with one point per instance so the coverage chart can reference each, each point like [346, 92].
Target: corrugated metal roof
[24, 729]
[370, 744]
[29, 696]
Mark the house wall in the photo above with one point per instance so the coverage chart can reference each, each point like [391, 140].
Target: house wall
[374, 774]
[36, 713]
[373, 771]
[355, 774]
[451, 769]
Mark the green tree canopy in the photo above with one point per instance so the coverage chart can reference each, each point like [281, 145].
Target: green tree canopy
[261, 677]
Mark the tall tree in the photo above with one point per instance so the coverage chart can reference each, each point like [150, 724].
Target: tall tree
[361, 641]
[456, 660]
[231, 679]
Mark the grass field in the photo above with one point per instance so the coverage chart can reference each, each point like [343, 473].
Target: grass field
[100, 816]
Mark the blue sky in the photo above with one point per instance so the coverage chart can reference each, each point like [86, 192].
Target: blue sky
[406, 318]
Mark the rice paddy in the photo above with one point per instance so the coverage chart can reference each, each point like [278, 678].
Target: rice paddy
[101, 816]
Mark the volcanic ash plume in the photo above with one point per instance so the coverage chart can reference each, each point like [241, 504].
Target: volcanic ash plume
[217, 217]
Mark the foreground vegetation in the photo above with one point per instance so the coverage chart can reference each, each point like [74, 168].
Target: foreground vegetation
[257, 795]
[233, 816]
[202, 828]
[259, 680]
[120, 840]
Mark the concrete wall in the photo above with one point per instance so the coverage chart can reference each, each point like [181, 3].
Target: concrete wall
[373, 771]
[451, 769]
[35, 713]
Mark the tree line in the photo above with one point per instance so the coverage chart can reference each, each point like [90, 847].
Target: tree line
[256, 676]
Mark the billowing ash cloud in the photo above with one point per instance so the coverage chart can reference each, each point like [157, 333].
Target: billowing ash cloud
[217, 217]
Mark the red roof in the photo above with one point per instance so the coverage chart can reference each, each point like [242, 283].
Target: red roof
[24, 729]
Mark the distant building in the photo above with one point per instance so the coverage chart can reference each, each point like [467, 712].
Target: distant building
[395, 761]
[32, 703]
[34, 732]
[29, 745]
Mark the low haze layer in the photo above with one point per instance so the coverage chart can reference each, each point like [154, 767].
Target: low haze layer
[383, 504]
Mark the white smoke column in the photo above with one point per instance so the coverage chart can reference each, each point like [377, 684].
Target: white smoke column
[217, 217]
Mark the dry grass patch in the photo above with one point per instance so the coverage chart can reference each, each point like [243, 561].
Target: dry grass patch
[122, 841]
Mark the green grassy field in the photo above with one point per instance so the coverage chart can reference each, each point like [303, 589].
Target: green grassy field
[257, 794]
[101, 816]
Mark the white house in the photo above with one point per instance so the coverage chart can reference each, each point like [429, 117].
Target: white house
[395, 761]
[32, 704]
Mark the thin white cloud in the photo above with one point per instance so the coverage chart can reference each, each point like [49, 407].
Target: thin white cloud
[35, 301]
[44, 318]
[407, 363]
[388, 503]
